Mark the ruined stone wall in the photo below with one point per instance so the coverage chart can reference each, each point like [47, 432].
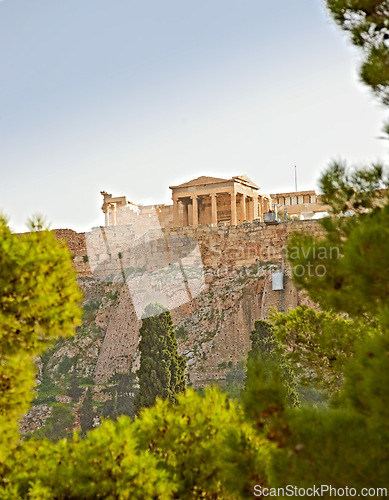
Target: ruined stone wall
[76, 243]
[222, 247]
[165, 215]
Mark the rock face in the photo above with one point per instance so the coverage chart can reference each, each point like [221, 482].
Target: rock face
[213, 324]
[213, 330]
[35, 418]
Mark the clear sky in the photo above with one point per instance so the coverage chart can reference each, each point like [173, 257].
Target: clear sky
[132, 96]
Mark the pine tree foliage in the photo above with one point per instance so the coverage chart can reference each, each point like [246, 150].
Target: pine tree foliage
[121, 390]
[344, 346]
[343, 271]
[367, 21]
[39, 301]
[266, 350]
[317, 358]
[75, 391]
[162, 370]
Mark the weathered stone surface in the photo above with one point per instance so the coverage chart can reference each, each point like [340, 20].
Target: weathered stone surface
[215, 325]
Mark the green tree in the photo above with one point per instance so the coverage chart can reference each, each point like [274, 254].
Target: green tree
[75, 391]
[121, 389]
[39, 300]
[345, 346]
[345, 269]
[162, 370]
[367, 21]
[87, 413]
[265, 349]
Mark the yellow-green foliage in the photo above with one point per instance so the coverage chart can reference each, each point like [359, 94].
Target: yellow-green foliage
[199, 448]
[38, 301]
[106, 465]
[202, 442]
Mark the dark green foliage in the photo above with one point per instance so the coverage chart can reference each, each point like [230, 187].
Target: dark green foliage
[87, 413]
[308, 337]
[121, 389]
[88, 380]
[352, 269]
[342, 349]
[74, 391]
[58, 426]
[113, 295]
[266, 350]
[162, 370]
[65, 365]
[181, 333]
[343, 445]
[367, 21]
[47, 390]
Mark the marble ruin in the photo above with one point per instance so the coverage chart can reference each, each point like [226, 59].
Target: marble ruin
[213, 201]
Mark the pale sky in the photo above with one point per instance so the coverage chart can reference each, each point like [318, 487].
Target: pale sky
[132, 96]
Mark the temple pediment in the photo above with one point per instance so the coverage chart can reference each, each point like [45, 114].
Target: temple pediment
[201, 181]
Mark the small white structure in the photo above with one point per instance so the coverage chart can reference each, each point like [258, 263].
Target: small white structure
[278, 281]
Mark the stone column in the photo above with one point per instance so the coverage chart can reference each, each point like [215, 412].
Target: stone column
[176, 216]
[114, 214]
[180, 205]
[195, 212]
[214, 209]
[255, 205]
[233, 209]
[243, 208]
[106, 213]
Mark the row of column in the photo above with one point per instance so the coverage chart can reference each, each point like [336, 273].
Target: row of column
[214, 219]
[296, 200]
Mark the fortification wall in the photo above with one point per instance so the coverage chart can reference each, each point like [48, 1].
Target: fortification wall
[222, 247]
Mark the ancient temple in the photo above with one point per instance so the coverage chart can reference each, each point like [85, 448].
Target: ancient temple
[201, 201]
[211, 200]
